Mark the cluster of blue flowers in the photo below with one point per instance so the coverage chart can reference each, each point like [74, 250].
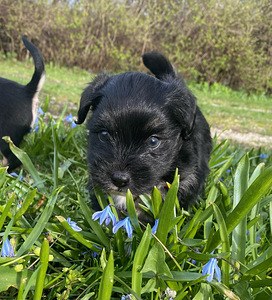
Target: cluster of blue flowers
[70, 119]
[108, 216]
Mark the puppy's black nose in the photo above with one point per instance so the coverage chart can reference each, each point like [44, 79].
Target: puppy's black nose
[120, 179]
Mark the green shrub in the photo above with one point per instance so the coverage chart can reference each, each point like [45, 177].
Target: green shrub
[208, 40]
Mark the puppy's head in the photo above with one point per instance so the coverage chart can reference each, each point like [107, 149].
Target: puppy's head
[136, 130]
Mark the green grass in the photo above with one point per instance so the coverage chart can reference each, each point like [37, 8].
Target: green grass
[53, 260]
[222, 107]
[232, 220]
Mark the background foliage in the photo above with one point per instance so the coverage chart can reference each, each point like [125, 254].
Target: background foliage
[208, 40]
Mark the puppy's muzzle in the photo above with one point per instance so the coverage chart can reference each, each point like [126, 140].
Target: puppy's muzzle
[120, 179]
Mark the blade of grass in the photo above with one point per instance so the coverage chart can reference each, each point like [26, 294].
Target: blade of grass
[56, 161]
[240, 186]
[138, 261]
[26, 161]
[225, 241]
[44, 256]
[258, 188]
[27, 200]
[208, 222]
[167, 212]
[156, 201]
[132, 214]
[37, 230]
[94, 225]
[6, 210]
[76, 234]
[106, 284]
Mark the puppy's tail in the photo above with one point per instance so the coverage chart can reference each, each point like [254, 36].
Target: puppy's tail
[159, 65]
[38, 77]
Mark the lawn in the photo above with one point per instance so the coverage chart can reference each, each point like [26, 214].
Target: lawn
[52, 248]
[222, 107]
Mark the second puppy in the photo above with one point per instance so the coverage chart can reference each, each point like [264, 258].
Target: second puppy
[141, 129]
[19, 106]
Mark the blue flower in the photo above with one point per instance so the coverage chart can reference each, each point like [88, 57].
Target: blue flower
[69, 118]
[8, 249]
[40, 111]
[125, 224]
[94, 254]
[212, 269]
[16, 175]
[263, 155]
[154, 228]
[36, 129]
[73, 225]
[105, 215]
[127, 297]
[73, 125]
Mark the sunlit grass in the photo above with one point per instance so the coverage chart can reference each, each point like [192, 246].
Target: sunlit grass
[222, 107]
[97, 261]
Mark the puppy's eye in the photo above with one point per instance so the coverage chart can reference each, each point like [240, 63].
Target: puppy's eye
[103, 136]
[154, 142]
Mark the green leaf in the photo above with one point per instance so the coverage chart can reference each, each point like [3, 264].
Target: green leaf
[156, 202]
[253, 194]
[240, 186]
[44, 256]
[9, 277]
[106, 284]
[37, 230]
[224, 290]
[25, 204]
[208, 222]
[132, 214]
[167, 212]
[261, 267]
[78, 236]
[156, 255]
[94, 225]
[26, 161]
[205, 292]
[6, 210]
[225, 241]
[139, 258]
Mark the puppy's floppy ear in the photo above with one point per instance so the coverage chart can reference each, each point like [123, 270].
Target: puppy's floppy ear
[90, 97]
[158, 64]
[181, 104]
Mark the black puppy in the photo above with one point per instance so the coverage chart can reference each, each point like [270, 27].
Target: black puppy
[19, 105]
[141, 129]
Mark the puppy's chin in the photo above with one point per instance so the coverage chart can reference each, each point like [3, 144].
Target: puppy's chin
[119, 200]
[121, 205]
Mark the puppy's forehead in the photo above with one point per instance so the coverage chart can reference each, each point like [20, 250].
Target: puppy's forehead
[132, 103]
[134, 88]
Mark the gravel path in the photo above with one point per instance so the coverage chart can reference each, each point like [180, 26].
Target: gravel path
[247, 139]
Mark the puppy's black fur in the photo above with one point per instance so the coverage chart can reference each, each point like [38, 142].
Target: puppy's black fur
[141, 129]
[18, 106]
